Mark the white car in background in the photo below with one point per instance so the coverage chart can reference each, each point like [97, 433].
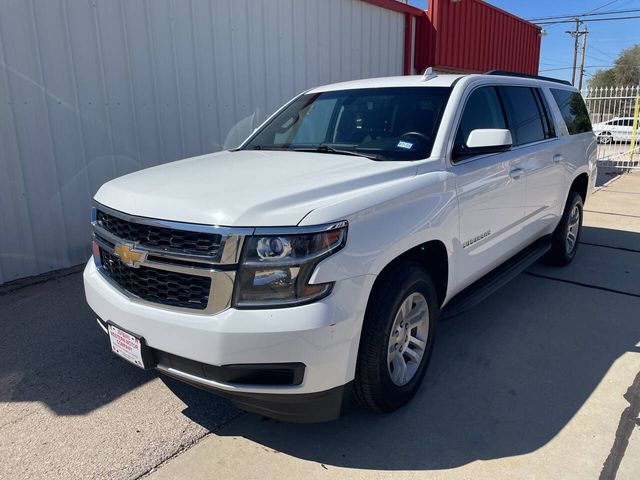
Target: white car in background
[314, 260]
[619, 129]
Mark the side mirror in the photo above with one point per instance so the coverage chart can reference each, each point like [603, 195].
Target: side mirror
[484, 141]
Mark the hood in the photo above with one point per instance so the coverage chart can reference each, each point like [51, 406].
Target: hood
[248, 188]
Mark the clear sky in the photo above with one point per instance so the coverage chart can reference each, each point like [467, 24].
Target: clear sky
[604, 42]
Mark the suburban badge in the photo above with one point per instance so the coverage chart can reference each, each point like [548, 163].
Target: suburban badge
[476, 239]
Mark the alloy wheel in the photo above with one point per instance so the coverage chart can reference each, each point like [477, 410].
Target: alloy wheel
[408, 339]
[572, 229]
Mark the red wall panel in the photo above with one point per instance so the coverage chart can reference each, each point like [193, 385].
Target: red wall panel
[471, 35]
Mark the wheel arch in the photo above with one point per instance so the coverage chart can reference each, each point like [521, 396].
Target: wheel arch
[433, 257]
[580, 185]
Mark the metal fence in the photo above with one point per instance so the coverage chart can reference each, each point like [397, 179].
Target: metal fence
[91, 90]
[614, 115]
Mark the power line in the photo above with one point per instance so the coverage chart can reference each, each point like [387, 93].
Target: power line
[571, 67]
[591, 20]
[587, 14]
[586, 66]
[552, 62]
[605, 5]
[599, 59]
[549, 59]
[555, 25]
[602, 52]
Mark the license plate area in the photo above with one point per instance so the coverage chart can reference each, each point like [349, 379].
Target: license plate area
[130, 346]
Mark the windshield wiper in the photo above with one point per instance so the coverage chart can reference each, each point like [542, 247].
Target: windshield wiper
[328, 149]
[260, 147]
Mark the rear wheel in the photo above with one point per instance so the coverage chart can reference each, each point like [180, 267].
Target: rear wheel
[605, 138]
[565, 238]
[397, 338]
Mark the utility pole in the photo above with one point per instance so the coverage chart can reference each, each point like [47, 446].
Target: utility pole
[575, 34]
[584, 48]
[576, 42]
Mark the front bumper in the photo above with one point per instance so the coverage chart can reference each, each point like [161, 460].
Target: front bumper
[324, 336]
[299, 408]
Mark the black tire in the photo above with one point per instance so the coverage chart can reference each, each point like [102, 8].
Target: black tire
[374, 388]
[605, 138]
[560, 254]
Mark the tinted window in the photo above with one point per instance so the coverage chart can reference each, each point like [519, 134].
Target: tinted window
[397, 123]
[525, 118]
[543, 106]
[623, 122]
[482, 110]
[573, 110]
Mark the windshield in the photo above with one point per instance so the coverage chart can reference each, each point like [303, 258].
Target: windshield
[398, 123]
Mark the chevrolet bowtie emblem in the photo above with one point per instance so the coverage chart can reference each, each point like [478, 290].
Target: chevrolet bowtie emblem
[129, 256]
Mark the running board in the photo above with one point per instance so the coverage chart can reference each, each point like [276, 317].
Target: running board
[496, 278]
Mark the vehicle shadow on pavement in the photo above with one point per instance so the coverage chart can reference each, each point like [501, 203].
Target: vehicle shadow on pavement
[52, 351]
[505, 379]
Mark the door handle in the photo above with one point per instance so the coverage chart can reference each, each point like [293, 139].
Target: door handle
[516, 173]
[557, 158]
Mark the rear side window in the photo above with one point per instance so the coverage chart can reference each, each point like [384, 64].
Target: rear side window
[526, 115]
[573, 110]
[545, 112]
[482, 110]
[620, 123]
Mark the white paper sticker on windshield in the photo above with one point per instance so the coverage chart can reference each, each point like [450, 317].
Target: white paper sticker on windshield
[403, 144]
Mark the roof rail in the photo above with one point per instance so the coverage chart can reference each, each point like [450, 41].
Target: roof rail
[505, 73]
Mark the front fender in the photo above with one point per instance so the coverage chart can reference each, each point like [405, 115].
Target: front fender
[385, 224]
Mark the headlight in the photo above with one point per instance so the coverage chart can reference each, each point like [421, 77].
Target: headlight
[275, 268]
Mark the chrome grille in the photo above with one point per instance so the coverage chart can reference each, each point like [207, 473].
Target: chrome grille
[158, 286]
[160, 237]
[174, 265]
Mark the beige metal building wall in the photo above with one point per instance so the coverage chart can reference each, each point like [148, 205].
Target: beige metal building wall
[94, 89]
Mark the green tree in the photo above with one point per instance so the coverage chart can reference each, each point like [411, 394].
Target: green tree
[602, 78]
[625, 71]
[627, 67]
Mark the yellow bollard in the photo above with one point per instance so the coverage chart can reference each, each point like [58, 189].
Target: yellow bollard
[635, 127]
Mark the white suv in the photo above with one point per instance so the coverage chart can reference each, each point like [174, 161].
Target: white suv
[315, 259]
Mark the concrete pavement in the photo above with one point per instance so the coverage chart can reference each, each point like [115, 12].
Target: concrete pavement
[542, 380]
[539, 381]
[69, 408]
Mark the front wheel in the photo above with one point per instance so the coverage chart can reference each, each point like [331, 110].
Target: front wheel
[397, 338]
[565, 238]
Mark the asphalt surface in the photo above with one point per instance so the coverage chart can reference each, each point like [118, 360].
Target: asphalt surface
[539, 381]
